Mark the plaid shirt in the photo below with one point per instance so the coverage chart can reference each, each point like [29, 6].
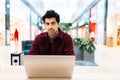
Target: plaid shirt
[61, 45]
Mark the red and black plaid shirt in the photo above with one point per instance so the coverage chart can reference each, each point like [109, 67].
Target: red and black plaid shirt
[61, 45]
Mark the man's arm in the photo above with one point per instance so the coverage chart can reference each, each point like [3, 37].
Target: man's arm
[34, 50]
[68, 45]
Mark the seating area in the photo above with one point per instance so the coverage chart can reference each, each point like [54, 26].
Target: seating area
[26, 45]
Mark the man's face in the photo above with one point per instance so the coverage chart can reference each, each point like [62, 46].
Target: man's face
[51, 26]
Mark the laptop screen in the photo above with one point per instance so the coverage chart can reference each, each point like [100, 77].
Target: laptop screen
[49, 65]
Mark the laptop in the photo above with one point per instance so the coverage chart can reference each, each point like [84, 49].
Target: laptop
[49, 65]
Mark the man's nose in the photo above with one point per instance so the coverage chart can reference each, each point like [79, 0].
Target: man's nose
[50, 26]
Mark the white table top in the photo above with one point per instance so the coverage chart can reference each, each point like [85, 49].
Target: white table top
[79, 73]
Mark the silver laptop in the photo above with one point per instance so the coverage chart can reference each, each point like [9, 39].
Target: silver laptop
[49, 65]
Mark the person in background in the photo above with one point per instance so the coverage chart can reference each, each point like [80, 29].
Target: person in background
[16, 33]
[54, 41]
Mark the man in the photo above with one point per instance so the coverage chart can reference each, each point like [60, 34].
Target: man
[54, 41]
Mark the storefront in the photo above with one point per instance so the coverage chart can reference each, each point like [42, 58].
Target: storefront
[113, 24]
[2, 22]
[20, 17]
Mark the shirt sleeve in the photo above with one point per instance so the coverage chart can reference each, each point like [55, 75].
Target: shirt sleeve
[34, 50]
[68, 45]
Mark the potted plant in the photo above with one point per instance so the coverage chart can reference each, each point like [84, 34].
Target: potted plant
[86, 48]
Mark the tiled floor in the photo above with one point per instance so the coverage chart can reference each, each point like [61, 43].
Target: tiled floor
[107, 56]
[5, 52]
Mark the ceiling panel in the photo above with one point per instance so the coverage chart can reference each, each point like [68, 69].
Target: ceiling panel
[19, 10]
[69, 10]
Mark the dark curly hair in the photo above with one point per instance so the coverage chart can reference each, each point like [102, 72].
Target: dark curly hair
[51, 14]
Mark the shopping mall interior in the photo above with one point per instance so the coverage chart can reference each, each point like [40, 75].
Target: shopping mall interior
[98, 20]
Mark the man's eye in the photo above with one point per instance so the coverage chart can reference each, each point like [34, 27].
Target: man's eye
[46, 23]
[53, 23]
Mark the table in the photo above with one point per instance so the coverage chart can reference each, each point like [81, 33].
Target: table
[79, 73]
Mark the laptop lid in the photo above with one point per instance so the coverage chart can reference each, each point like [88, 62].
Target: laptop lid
[49, 65]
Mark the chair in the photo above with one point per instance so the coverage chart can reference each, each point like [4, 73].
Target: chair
[26, 45]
